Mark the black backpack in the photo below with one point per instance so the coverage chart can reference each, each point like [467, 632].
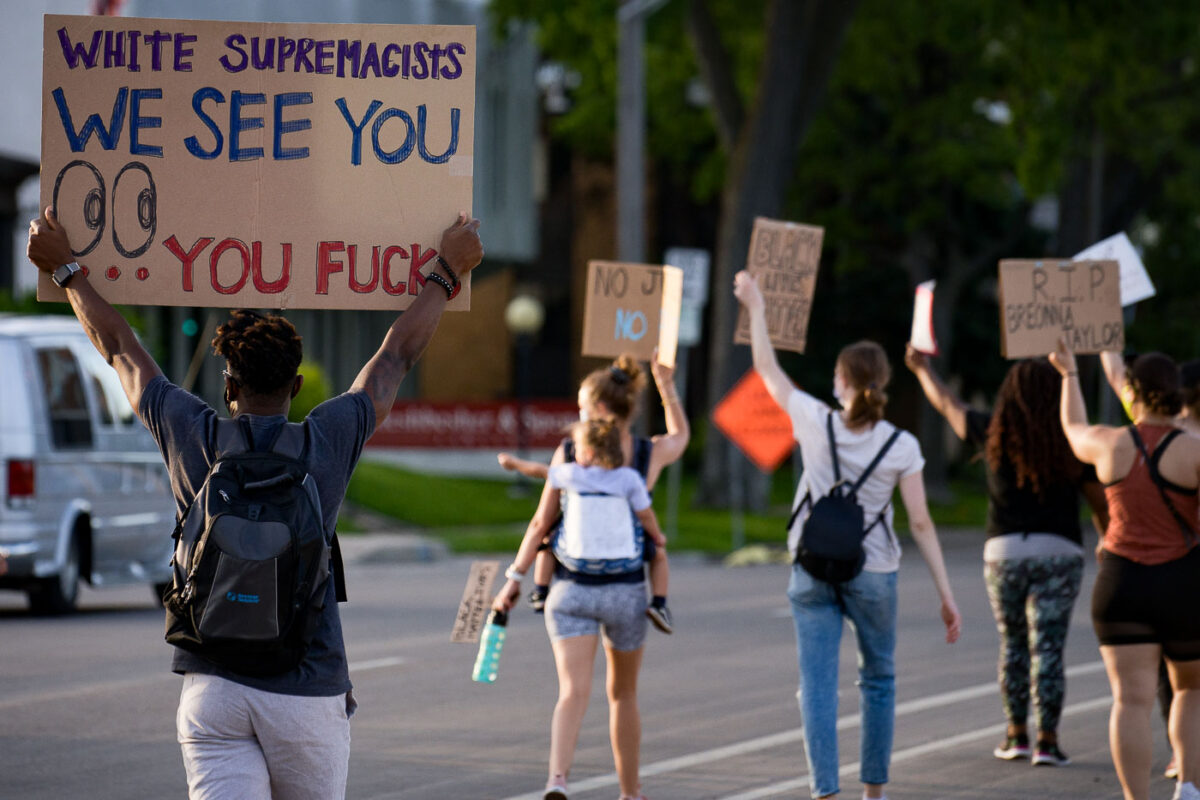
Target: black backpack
[252, 559]
[831, 540]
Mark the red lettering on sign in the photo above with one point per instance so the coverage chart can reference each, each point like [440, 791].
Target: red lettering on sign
[187, 258]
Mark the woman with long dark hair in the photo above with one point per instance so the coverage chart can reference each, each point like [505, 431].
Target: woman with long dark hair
[1146, 588]
[1033, 556]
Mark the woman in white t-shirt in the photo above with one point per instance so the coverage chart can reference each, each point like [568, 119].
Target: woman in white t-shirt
[868, 600]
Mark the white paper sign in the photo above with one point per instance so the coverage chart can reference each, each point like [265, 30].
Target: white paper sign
[922, 337]
[1135, 281]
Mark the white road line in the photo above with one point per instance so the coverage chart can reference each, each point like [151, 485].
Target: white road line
[849, 721]
[376, 663]
[849, 770]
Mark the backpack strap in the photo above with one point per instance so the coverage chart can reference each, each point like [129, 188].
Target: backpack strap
[837, 471]
[232, 436]
[643, 448]
[875, 461]
[291, 440]
[1189, 534]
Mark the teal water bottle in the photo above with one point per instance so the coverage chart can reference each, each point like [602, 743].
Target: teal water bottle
[487, 663]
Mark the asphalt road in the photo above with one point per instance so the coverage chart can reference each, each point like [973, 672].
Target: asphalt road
[87, 702]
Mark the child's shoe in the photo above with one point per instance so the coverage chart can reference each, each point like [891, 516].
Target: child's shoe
[537, 599]
[660, 615]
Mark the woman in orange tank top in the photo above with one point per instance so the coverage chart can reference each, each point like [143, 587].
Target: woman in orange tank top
[1148, 564]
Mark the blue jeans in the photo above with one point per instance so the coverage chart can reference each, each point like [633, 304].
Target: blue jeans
[869, 602]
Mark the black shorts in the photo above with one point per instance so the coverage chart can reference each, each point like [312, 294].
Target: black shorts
[1136, 603]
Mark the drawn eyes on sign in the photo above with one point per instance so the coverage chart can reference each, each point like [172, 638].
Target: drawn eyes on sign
[134, 205]
[135, 209]
[88, 183]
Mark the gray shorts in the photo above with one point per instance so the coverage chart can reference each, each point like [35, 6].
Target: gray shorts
[617, 609]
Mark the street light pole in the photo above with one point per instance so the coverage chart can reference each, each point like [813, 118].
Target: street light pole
[631, 127]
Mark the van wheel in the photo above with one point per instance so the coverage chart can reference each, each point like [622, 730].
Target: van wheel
[59, 593]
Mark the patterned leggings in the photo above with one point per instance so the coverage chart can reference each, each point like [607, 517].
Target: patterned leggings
[1032, 600]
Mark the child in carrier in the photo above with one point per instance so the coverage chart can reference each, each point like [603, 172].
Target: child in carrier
[594, 470]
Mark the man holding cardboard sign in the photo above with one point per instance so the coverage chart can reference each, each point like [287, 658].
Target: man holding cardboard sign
[247, 732]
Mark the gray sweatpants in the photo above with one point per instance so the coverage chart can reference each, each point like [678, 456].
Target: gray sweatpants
[240, 742]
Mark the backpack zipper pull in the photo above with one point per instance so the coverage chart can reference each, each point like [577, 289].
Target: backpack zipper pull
[224, 496]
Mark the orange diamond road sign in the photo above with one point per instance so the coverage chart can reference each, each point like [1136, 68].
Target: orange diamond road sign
[755, 423]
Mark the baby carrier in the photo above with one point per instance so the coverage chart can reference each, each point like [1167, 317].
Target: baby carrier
[598, 538]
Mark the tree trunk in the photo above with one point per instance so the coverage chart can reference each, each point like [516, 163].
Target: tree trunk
[803, 40]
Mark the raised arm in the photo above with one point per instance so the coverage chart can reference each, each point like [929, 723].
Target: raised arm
[944, 401]
[912, 493]
[410, 334]
[1114, 370]
[543, 520]
[779, 386]
[669, 446]
[1090, 443]
[48, 249]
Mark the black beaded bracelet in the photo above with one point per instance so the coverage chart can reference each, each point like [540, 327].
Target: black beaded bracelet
[440, 281]
[450, 272]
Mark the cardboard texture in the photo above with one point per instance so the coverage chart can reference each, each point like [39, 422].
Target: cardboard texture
[476, 600]
[751, 419]
[632, 308]
[1043, 300]
[1135, 281]
[922, 336]
[264, 165]
[784, 257]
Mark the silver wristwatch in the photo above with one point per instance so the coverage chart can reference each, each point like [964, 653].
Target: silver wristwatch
[62, 276]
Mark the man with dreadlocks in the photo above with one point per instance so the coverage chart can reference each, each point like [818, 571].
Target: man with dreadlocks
[286, 735]
[1033, 557]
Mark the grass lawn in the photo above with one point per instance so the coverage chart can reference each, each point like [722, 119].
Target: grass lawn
[484, 516]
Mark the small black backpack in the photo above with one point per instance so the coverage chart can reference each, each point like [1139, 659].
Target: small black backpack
[252, 559]
[831, 540]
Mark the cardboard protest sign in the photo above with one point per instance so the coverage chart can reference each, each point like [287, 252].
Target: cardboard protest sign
[753, 421]
[922, 336]
[632, 308]
[784, 257]
[1043, 300]
[250, 164]
[476, 600]
[1135, 281]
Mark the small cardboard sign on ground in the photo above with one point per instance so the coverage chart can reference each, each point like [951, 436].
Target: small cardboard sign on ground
[632, 308]
[922, 337]
[1043, 300]
[476, 600]
[256, 164]
[784, 257]
[753, 421]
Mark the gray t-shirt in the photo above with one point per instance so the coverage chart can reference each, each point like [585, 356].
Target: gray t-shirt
[185, 428]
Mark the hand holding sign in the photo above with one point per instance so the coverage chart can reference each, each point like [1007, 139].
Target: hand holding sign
[48, 247]
[784, 257]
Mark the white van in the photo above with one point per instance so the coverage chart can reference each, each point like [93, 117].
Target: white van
[84, 494]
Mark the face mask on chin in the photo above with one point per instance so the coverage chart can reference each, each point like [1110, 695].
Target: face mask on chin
[583, 415]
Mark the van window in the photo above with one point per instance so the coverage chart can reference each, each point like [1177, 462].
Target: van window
[106, 386]
[70, 423]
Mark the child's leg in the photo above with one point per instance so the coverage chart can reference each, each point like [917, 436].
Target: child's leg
[660, 573]
[543, 569]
